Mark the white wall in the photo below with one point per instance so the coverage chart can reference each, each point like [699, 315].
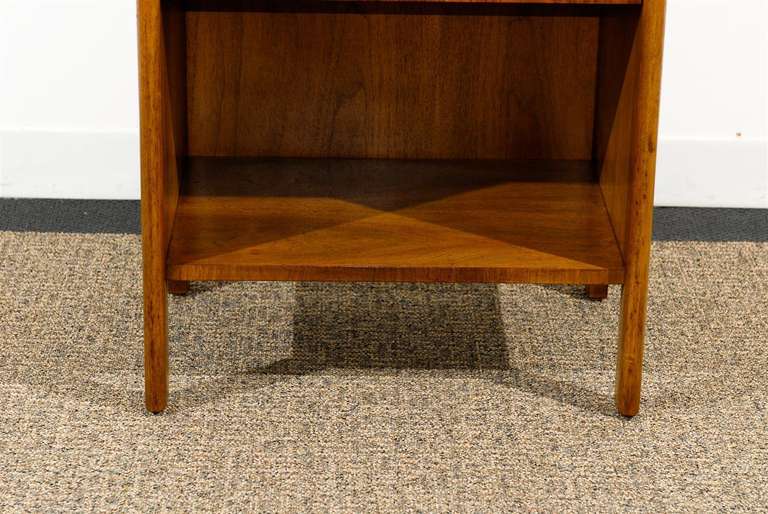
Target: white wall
[68, 99]
[713, 148]
[69, 113]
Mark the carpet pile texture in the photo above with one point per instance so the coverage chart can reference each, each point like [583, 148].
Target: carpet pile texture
[361, 397]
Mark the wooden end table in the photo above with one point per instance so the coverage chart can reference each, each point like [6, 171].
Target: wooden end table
[419, 141]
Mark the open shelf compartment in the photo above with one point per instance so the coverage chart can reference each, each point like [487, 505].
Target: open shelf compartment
[392, 220]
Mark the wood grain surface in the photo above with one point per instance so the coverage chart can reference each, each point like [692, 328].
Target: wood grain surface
[306, 5]
[391, 86]
[630, 57]
[162, 77]
[501, 141]
[368, 220]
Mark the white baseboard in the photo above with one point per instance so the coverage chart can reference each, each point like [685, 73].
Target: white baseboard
[712, 173]
[69, 164]
[105, 165]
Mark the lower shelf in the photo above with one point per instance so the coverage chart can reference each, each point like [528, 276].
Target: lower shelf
[388, 220]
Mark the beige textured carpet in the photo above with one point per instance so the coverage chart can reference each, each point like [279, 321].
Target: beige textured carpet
[298, 397]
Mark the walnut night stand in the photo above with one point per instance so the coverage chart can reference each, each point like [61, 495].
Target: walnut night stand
[406, 141]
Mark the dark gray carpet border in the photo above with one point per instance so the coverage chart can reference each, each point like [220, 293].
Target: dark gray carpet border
[122, 217]
[70, 216]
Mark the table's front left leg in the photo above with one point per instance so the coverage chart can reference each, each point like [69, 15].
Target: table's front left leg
[155, 344]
